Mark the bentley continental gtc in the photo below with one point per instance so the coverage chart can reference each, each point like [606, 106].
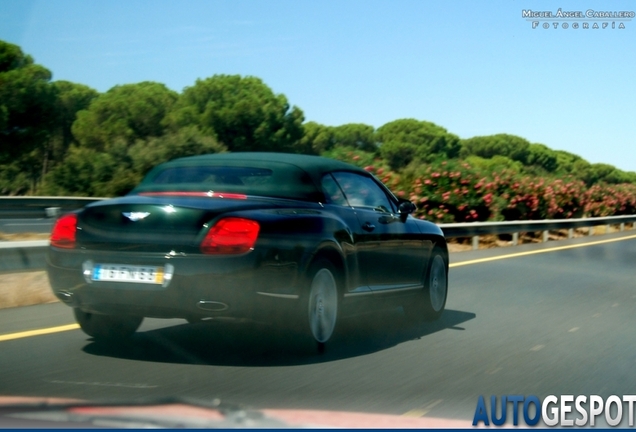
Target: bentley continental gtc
[297, 241]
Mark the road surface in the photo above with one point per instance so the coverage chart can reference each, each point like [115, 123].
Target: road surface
[538, 322]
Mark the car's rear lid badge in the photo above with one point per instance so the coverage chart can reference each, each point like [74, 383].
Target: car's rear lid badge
[135, 216]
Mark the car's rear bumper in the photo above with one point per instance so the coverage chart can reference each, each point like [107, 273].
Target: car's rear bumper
[245, 286]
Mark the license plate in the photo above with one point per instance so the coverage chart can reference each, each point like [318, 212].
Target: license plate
[127, 273]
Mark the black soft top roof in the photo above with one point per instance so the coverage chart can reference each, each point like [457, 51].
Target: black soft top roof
[298, 176]
[315, 166]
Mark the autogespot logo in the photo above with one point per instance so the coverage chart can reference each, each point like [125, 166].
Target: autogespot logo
[589, 19]
[564, 410]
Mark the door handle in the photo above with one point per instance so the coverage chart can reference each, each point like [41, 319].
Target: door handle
[368, 226]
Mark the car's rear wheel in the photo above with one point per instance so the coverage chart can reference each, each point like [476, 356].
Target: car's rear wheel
[322, 302]
[430, 303]
[111, 327]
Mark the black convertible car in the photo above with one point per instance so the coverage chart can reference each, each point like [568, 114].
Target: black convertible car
[294, 240]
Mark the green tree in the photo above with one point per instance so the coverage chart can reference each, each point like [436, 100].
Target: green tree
[355, 135]
[27, 116]
[630, 177]
[541, 156]
[582, 170]
[317, 138]
[130, 112]
[85, 172]
[494, 164]
[511, 146]
[430, 140]
[616, 176]
[600, 172]
[398, 154]
[243, 113]
[14, 180]
[566, 160]
[188, 141]
[92, 172]
[70, 98]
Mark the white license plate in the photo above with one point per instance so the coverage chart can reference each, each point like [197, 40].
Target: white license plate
[127, 273]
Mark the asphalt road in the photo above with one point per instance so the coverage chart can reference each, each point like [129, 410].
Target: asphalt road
[557, 322]
[38, 225]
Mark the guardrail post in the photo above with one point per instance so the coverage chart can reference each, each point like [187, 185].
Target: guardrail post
[590, 232]
[475, 242]
[570, 233]
[607, 229]
[545, 236]
[515, 239]
[52, 211]
[622, 228]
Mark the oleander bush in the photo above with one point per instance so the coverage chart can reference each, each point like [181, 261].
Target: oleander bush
[454, 190]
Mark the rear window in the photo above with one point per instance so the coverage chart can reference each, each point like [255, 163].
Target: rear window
[279, 180]
[214, 176]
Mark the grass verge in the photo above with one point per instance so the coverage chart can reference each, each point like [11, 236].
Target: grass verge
[25, 289]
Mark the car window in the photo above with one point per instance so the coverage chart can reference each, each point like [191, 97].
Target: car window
[260, 178]
[333, 193]
[214, 176]
[361, 191]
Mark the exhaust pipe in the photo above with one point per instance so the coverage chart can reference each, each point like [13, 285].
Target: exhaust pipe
[65, 296]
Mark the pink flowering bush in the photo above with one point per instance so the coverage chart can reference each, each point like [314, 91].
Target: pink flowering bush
[605, 200]
[454, 191]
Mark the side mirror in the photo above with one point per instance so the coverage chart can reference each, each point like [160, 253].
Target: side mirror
[406, 207]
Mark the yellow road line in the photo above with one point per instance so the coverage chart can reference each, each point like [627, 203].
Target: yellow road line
[38, 332]
[518, 254]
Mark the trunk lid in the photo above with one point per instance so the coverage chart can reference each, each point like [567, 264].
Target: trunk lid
[154, 223]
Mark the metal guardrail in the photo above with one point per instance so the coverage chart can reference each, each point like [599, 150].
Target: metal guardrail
[469, 229]
[23, 255]
[39, 207]
[475, 229]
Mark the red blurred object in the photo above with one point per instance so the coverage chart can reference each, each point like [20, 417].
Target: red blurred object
[63, 234]
[231, 236]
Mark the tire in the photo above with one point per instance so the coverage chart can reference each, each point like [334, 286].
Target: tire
[431, 301]
[321, 303]
[107, 327]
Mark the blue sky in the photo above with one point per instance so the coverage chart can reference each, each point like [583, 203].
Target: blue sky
[475, 68]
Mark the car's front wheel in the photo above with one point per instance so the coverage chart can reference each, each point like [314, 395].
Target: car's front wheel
[430, 304]
[111, 327]
[322, 302]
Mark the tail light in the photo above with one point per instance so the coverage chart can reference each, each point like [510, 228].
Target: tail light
[230, 236]
[63, 234]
